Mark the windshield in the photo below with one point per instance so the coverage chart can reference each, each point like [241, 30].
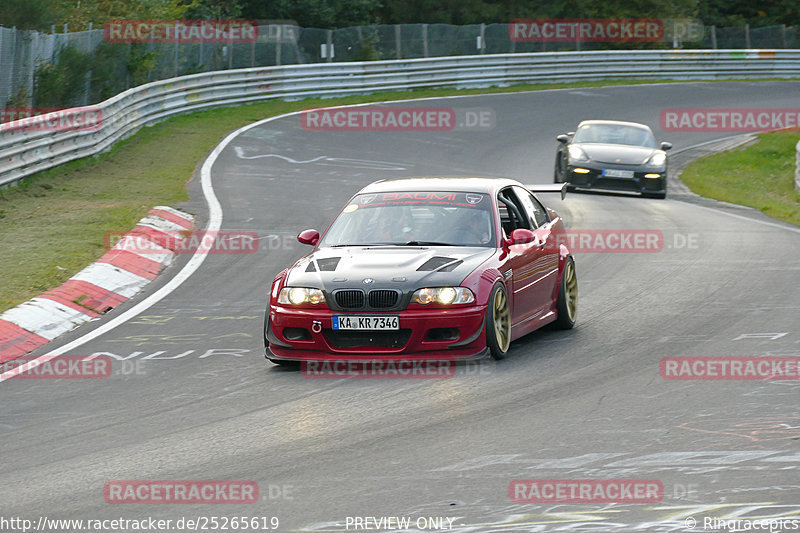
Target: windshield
[414, 218]
[615, 134]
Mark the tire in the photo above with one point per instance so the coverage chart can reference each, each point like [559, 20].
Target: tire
[498, 323]
[567, 302]
[557, 178]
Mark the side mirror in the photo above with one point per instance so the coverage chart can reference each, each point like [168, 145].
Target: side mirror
[521, 236]
[563, 138]
[666, 146]
[309, 236]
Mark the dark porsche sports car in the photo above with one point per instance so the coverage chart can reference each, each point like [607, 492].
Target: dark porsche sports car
[425, 268]
[612, 155]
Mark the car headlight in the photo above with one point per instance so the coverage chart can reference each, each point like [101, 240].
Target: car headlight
[300, 295]
[657, 160]
[576, 154]
[443, 295]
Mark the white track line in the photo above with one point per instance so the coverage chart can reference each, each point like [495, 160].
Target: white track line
[215, 222]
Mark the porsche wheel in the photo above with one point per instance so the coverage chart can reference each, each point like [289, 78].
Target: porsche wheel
[567, 303]
[498, 323]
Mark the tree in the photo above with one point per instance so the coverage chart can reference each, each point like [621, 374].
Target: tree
[28, 14]
[314, 13]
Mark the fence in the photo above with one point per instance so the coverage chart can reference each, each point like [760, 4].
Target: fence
[23, 152]
[119, 66]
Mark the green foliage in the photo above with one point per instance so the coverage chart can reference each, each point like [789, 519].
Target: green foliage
[109, 72]
[61, 84]
[19, 99]
[760, 176]
[215, 10]
[315, 13]
[140, 63]
[28, 14]
[369, 46]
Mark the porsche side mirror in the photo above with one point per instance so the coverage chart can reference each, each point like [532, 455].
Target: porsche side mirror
[563, 138]
[666, 146]
[309, 236]
[521, 236]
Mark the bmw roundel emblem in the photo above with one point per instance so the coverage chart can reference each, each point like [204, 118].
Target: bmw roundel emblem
[368, 281]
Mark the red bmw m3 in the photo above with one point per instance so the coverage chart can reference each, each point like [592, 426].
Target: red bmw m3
[434, 268]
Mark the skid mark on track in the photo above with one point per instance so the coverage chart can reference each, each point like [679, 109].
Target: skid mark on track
[325, 160]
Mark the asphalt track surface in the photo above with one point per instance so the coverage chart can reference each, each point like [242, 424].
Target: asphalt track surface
[192, 397]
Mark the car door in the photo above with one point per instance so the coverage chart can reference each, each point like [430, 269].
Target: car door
[524, 268]
[546, 262]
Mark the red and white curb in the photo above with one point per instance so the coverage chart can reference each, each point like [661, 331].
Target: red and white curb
[117, 276]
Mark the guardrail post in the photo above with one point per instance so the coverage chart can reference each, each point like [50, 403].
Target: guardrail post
[783, 36]
[482, 39]
[747, 36]
[424, 40]
[176, 57]
[87, 99]
[330, 46]
[713, 37]
[230, 52]
[278, 48]
[397, 41]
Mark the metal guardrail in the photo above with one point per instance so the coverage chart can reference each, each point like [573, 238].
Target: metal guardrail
[23, 153]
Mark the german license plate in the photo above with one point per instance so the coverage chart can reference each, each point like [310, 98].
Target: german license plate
[614, 173]
[366, 322]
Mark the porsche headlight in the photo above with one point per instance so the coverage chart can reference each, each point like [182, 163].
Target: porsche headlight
[300, 295]
[658, 160]
[443, 296]
[576, 154]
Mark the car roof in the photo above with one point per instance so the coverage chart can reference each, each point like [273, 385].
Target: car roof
[614, 123]
[441, 183]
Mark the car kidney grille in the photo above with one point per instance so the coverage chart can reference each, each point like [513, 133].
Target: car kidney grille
[350, 299]
[381, 299]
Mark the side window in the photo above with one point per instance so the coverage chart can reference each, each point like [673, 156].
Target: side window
[512, 214]
[534, 208]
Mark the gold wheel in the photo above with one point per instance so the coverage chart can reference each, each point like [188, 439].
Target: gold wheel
[571, 290]
[502, 321]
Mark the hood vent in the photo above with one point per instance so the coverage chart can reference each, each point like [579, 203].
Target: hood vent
[328, 264]
[439, 264]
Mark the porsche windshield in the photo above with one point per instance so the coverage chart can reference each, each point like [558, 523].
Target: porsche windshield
[615, 134]
[414, 218]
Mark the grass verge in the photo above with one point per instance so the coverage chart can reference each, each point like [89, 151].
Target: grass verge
[759, 176]
[52, 225]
